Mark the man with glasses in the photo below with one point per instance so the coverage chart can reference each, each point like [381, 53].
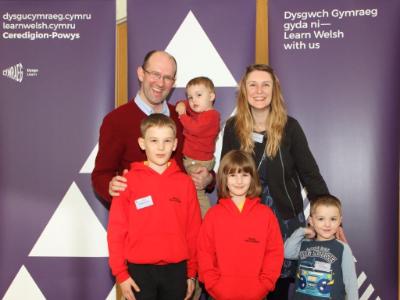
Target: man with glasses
[120, 129]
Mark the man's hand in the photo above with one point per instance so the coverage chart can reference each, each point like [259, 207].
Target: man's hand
[126, 288]
[180, 108]
[117, 184]
[190, 289]
[201, 178]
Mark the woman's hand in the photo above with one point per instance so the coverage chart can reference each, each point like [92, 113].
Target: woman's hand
[340, 235]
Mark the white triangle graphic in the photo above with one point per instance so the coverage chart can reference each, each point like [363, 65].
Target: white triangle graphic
[307, 207]
[73, 230]
[23, 287]
[197, 56]
[113, 294]
[88, 166]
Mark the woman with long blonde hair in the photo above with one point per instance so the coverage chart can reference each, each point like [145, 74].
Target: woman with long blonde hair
[280, 150]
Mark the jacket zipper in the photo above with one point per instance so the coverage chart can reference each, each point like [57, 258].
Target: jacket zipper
[284, 183]
[294, 182]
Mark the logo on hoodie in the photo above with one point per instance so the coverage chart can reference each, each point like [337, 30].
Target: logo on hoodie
[174, 199]
[252, 240]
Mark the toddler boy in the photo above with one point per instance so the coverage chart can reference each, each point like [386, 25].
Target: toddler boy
[200, 123]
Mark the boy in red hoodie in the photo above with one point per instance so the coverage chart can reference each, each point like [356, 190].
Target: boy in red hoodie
[240, 247]
[153, 225]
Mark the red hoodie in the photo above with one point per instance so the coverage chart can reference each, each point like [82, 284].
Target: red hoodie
[200, 131]
[240, 253]
[154, 221]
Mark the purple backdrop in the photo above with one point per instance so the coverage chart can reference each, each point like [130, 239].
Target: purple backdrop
[50, 113]
[344, 91]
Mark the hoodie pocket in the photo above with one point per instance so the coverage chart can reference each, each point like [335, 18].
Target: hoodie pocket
[231, 287]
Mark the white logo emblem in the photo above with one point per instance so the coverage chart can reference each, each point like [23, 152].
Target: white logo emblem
[18, 73]
[15, 72]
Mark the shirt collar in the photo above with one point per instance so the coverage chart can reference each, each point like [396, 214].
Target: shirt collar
[147, 109]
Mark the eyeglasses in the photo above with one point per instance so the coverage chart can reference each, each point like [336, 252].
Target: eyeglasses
[157, 76]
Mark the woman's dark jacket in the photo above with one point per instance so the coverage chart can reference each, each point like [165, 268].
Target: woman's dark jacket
[293, 164]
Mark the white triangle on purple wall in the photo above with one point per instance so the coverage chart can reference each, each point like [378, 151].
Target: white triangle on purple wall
[73, 231]
[88, 166]
[197, 56]
[23, 287]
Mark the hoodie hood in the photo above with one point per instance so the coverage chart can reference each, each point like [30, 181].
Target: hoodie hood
[229, 205]
[142, 166]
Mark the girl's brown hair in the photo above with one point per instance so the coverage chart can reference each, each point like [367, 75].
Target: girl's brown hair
[237, 161]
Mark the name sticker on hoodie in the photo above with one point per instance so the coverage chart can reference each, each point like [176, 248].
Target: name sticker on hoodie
[144, 202]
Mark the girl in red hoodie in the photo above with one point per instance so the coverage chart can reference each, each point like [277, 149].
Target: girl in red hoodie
[240, 248]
